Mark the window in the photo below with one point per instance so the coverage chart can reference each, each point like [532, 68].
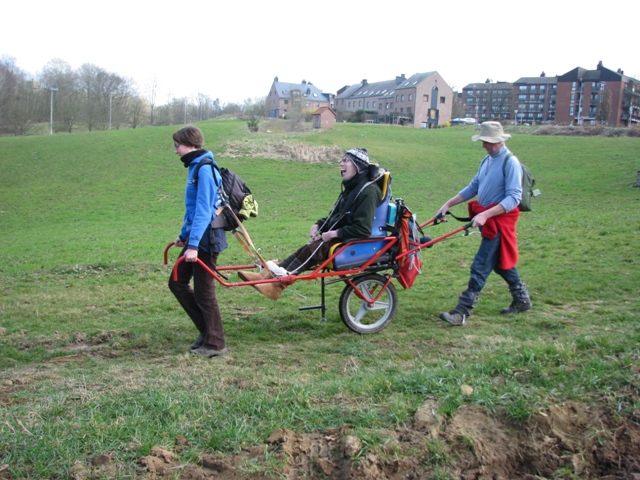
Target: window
[409, 110]
[410, 97]
[374, 104]
[402, 98]
[443, 99]
[425, 98]
[397, 97]
[286, 102]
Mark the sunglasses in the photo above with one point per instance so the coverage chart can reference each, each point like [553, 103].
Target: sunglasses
[176, 144]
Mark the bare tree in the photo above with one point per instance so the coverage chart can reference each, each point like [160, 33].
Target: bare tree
[13, 93]
[58, 74]
[603, 107]
[88, 78]
[152, 94]
[255, 107]
[137, 111]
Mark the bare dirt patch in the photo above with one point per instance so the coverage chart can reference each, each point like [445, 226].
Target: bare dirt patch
[282, 150]
[570, 440]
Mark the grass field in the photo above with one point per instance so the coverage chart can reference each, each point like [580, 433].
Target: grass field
[96, 380]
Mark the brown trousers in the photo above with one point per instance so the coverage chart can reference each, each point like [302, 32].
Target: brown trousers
[200, 302]
[309, 255]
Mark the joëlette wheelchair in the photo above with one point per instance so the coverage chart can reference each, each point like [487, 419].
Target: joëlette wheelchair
[367, 267]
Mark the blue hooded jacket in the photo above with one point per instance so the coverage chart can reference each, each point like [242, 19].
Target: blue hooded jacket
[201, 202]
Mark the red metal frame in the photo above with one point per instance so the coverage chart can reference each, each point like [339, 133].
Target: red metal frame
[322, 271]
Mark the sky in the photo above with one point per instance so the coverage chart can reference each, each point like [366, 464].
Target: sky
[233, 51]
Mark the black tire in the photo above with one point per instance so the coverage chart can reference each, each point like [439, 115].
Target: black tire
[356, 313]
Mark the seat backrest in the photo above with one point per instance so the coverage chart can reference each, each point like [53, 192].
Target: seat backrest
[379, 228]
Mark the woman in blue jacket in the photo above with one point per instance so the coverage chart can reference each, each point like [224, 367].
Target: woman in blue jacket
[199, 241]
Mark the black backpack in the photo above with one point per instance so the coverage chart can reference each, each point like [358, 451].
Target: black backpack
[233, 192]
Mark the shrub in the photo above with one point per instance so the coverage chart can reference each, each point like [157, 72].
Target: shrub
[252, 123]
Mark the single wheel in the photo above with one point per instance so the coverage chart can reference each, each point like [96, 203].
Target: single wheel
[361, 317]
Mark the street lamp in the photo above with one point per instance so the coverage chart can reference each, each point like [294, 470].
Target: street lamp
[53, 89]
[516, 117]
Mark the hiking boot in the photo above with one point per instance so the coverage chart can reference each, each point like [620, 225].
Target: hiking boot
[454, 318]
[517, 306]
[209, 352]
[199, 342]
[521, 299]
[272, 290]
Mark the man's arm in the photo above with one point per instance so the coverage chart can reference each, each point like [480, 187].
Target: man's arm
[448, 204]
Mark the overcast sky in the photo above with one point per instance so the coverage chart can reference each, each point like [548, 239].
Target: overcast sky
[233, 51]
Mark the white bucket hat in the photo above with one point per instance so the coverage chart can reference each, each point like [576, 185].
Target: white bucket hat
[491, 132]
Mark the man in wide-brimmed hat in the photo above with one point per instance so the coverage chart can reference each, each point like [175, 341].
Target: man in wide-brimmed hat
[498, 185]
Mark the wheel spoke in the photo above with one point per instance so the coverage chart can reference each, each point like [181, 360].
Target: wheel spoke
[362, 311]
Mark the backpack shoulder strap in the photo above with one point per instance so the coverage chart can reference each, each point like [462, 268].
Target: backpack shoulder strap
[206, 161]
[504, 165]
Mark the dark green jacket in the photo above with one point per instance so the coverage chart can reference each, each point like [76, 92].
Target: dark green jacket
[358, 221]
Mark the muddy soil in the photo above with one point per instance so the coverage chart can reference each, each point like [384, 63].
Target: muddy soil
[571, 440]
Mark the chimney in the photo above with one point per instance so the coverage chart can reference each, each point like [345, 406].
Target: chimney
[364, 82]
[275, 79]
[543, 74]
[400, 79]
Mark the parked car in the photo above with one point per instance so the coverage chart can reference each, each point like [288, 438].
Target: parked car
[463, 121]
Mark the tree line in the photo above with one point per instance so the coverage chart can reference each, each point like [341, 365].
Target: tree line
[91, 98]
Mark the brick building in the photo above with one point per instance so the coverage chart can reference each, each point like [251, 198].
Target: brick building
[422, 100]
[324, 117]
[304, 97]
[579, 96]
[598, 96]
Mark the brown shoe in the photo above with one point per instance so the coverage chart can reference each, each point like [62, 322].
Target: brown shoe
[271, 290]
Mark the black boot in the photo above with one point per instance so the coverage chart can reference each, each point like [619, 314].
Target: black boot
[521, 299]
[466, 303]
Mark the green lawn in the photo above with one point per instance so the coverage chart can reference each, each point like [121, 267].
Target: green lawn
[93, 348]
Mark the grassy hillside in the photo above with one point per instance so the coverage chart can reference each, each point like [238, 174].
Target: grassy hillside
[93, 349]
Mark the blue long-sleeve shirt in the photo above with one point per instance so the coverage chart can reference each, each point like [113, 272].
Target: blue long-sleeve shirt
[492, 186]
[201, 202]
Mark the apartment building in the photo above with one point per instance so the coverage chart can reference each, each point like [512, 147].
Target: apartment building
[423, 100]
[534, 99]
[579, 96]
[488, 100]
[598, 96]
